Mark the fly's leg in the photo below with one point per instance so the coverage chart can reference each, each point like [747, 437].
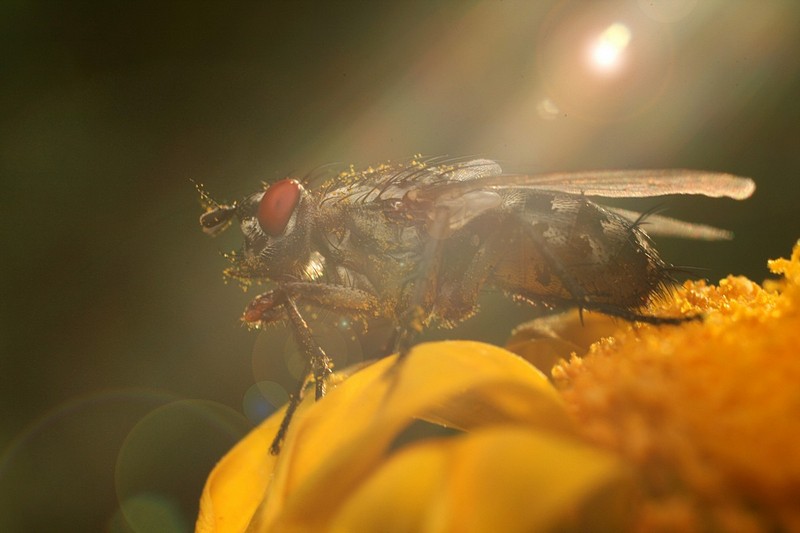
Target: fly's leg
[272, 306]
[454, 295]
[457, 298]
[317, 363]
[633, 316]
[280, 304]
[336, 298]
[413, 320]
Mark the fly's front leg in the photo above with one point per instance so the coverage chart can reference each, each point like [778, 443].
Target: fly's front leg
[267, 308]
[318, 361]
[297, 396]
[276, 305]
[280, 304]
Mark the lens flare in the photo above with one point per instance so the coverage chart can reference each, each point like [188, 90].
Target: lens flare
[607, 50]
[547, 109]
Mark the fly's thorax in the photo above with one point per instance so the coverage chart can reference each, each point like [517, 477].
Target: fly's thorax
[378, 252]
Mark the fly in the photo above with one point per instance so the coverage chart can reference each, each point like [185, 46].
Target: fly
[418, 241]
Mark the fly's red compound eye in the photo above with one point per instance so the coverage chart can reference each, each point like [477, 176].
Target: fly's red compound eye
[277, 206]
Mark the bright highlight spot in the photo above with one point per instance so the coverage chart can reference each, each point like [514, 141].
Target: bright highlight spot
[606, 52]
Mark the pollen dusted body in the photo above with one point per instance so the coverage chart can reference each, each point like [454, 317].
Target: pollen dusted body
[418, 241]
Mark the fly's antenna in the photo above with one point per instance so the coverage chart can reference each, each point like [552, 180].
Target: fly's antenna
[205, 199]
[217, 217]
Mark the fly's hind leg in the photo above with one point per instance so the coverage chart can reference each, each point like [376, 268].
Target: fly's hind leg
[580, 297]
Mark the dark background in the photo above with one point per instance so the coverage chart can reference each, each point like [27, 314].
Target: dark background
[123, 369]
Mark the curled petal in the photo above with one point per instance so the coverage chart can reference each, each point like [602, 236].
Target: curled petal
[335, 445]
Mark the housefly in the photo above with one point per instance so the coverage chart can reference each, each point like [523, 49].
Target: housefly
[417, 241]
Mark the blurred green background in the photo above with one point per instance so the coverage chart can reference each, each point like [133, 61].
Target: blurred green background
[123, 368]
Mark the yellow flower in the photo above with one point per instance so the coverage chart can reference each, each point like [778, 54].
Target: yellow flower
[673, 428]
[709, 412]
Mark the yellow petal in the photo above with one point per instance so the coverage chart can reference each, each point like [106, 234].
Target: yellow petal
[546, 340]
[405, 494]
[236, 485]
[501, 478]
[333, 445]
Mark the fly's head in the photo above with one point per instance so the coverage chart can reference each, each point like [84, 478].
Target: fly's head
[275, 223]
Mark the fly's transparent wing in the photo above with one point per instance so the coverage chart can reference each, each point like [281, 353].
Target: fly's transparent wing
[609, 184]
[647, 183]
[672, 227]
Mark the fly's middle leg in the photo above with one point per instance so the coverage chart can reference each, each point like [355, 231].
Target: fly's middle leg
[414, 318]
[460, 289]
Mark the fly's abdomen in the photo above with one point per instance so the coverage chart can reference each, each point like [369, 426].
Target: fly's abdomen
[575, 252]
